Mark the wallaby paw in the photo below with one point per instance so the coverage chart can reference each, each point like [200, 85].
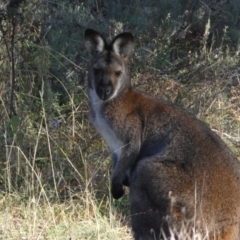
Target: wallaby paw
[117, 191]
[126, 181]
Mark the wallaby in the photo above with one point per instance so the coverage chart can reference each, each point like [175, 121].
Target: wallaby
[178, 170]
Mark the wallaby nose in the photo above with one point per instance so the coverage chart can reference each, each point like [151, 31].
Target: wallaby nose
[104, 91]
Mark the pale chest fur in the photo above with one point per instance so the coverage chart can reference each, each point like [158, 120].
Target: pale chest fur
[102, 126]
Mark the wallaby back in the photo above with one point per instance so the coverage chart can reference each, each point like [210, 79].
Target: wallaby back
[178, 170]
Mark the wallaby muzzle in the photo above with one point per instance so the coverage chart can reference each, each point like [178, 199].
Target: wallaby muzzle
[104, 91]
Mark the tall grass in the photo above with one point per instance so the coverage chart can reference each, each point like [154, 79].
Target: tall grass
[35, 218]
[39, 202]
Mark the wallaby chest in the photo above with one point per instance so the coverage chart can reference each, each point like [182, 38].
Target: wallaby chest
[102, 125]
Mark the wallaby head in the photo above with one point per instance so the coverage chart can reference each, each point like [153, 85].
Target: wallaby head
[108, 72]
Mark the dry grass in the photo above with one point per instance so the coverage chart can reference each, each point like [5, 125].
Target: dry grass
[73, 219]
[58, 196]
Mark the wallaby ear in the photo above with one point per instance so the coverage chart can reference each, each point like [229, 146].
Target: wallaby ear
[122, 44]
[94, 42]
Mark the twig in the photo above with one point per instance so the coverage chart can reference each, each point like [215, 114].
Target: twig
[11, 104]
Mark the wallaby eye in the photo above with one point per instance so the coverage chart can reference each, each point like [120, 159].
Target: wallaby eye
[96, 71]
[118, 73]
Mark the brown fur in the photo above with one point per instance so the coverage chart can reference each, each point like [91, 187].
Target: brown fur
[177, 168]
